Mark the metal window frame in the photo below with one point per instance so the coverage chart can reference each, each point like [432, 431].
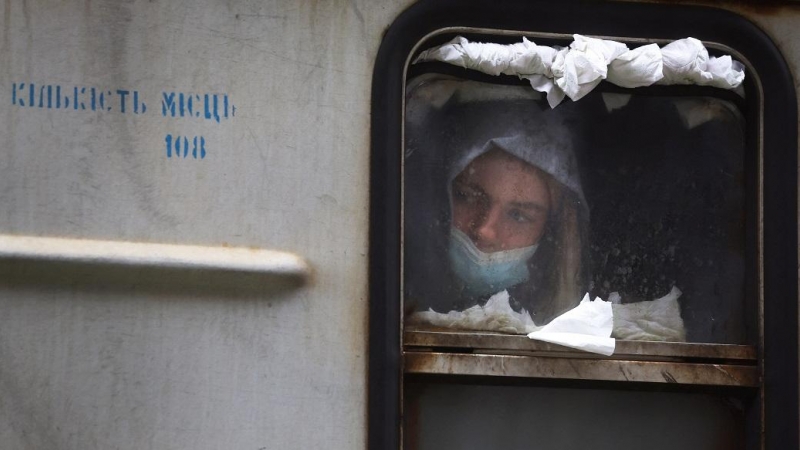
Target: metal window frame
[774, 370]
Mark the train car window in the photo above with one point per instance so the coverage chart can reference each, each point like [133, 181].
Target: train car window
[496, 214]
[505, 194]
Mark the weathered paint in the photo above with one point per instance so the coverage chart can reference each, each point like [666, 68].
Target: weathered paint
[99, 358]
[107, 358]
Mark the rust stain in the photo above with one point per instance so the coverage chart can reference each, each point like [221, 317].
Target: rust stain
[727, 374]
[418, 365]
[668, 377]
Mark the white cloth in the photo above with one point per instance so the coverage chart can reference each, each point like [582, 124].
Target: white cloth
[641, 66]
[587, 327]
[656, 320]
[525, 58]
[687, 62]
[581, 67]
[576, 70]
[495, 315]
[590, 326]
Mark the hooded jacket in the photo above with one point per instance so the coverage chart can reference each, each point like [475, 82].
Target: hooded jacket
[438, 149]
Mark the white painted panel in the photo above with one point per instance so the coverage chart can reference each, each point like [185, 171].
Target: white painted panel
[96, 358]
[107, 358]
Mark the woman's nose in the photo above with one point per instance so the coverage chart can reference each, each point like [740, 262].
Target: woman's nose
[487, 231]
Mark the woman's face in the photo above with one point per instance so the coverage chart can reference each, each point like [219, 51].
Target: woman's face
[500, 202]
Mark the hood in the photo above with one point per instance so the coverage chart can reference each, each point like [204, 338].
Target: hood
[525, 129]
[442, 138]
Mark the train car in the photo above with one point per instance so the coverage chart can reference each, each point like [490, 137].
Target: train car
[372, 225]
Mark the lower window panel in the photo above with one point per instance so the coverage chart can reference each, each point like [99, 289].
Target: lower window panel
[475, 416]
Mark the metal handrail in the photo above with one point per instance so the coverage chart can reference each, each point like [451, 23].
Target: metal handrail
[88, 251]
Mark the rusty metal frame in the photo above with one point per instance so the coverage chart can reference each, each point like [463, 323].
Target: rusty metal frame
[776, 165]
[585, 369]
[502, 355]
[470, 342]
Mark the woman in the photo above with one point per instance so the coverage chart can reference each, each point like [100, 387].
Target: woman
[494, 202]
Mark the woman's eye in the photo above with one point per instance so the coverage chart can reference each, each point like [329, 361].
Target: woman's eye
[518, 216]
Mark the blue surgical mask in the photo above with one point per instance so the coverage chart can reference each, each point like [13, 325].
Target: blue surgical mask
[487, 273]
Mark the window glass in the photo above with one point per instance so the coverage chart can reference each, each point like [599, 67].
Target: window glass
[520, 417]
[634, 197]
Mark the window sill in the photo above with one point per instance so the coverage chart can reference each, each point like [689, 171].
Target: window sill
[501, 355]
